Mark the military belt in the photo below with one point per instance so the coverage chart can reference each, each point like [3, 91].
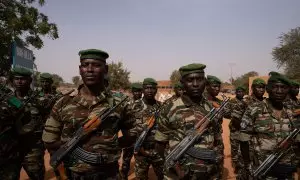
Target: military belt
[89, 157]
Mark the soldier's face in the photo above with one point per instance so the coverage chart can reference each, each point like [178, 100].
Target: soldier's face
[240, 94]
[46, 84]
[194, 84]
[294, 90]
[149, 91]
[92, 71]
[137, 94]
[259, 90]
[278, 91]
[178, 91]
[213, 89]
[21, 82]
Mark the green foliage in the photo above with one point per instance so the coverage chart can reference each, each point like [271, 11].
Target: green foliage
[175, 77]
[287, 53]
[76, 80]
[244, 79]
[118, 76]
[20, 21]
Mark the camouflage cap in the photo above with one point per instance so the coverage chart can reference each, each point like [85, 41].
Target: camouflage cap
[46, 76]
[240, 88]
[294, 83]
[19, 71]
[149, 81]
[258, 81]
[178, 85]
[136, 86]
[93, 54]
[277, 77]
[213, 79]
[191, 68]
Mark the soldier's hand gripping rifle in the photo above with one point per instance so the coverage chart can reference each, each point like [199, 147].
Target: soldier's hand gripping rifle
[193, 135]
[280, 150]
[58, 156]
[142, 137]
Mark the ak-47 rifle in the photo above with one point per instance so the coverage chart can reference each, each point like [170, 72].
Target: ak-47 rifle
[69, 146]
[142, 137]
[280, 150]
[193, 135]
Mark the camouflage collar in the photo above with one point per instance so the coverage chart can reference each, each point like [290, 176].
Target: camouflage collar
[188, 102]
[104, 96]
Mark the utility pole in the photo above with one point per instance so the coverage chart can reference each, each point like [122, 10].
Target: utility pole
[231, 65]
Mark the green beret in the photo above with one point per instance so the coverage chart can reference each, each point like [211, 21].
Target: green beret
[191, 68]
[241, 88]
[46, 76]
[258, 81]
[294, 83]
[213, 79]
[178, 85]
[149, 81]
[136, 86]
[93, 54]
[277, 77]
[19, 71]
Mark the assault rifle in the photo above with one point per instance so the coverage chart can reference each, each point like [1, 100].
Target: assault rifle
[193, 135]
[142, 137]
[66, 148]
[280, 150]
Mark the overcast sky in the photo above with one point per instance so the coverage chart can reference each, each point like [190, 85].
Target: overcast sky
[154, 37]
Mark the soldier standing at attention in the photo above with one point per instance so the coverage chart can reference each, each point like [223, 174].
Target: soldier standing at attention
[143, 110]
[213, 87]
[13, 116]
[178, 90]
[292, 99]
[78, 109]
[180, 116]
[237, 107]
[136, 90]
[264, 124]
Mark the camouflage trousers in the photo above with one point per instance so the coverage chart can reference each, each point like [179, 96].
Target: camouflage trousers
[105, 173]
[127, 156]
[11, 170]
[33, 162]
[142, 164]
[236, 156]
[219, 147]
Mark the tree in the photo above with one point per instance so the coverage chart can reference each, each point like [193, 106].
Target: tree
[57, 80]
[118, 76]
[76, 80]
[21, 22]
[287, 53]
[175, 77]
[244, 79]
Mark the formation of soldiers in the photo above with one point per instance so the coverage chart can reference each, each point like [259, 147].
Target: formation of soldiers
[35, 120]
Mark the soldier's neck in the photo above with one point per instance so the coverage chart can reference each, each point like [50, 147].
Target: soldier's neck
[20, 93]
[260, 98]
[151, 101]
[278, 105]
[46, 91]
[91, 91]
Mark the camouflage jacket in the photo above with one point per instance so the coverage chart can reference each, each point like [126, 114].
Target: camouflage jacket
[142, 112]
[72, 111]
[180, 116]
[237, 108]
[292, 103]
[266, 127]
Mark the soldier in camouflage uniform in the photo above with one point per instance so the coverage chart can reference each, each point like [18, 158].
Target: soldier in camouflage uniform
[136, 90]
[237, 107]
[180, 116]
[178, 90]
[143, 110]
[292, 101]
[10, 160]
[79, 109]
[213, 87]
[264, 124]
